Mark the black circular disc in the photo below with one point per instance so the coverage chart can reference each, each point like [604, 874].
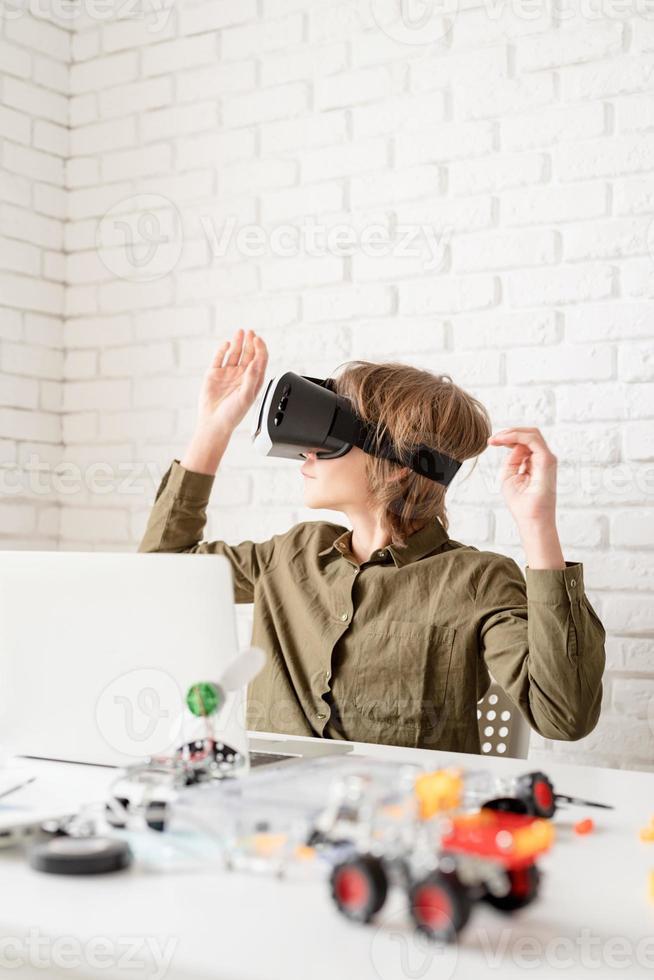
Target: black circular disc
[80, 855]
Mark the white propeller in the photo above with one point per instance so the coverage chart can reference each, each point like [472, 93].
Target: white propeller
[243, 669]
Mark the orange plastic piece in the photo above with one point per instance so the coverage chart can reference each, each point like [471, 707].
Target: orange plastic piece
[395, 810]
[437, 791]
[265, 845]
[584, 826]
[647, 833]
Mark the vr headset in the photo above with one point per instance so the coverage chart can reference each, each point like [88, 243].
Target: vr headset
[297, 414]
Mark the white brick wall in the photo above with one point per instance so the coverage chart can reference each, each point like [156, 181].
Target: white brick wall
[34, 145]
[514, 153]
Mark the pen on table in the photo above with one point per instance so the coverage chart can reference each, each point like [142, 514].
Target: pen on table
[13, 789]
[578, 802]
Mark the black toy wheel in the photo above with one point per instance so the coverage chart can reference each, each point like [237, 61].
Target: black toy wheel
[112, 818]
[537, 792]
[359, 887]
[523, 888]
[155, 815]
[507, 804]
[440, 906]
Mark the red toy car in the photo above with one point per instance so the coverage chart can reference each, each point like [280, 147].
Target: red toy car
[450, 863]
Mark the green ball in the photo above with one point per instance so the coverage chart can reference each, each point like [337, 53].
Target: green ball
[204, 699]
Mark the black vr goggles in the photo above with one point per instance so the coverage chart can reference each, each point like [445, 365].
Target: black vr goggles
[296, 414]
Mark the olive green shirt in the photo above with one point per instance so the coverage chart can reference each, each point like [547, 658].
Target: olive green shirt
[397, 649]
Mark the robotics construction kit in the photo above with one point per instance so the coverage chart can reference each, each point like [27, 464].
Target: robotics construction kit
[446, 838]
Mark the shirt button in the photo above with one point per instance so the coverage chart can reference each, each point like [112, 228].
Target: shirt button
[321, 716]
[573, 582]
[382, 554]
[344, 616]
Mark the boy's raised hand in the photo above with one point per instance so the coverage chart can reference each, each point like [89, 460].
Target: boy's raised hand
[232, 382]
[528, 476]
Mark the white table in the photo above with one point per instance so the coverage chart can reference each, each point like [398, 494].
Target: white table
[593, 918]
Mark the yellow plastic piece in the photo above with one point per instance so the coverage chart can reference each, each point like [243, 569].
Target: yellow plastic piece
[537, 837]
[651, 886]
[437, 791]
[647, 833]
[305, 853]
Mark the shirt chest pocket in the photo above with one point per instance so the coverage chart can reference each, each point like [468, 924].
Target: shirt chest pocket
[402, 672]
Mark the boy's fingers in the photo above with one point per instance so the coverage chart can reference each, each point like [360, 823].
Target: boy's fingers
[236, 347]
[531, 438]
[248, 349]
[219, 355]
[261, 353]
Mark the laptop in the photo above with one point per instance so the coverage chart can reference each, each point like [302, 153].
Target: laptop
[98, 651]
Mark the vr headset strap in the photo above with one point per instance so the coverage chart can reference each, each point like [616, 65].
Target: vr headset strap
[424, 460]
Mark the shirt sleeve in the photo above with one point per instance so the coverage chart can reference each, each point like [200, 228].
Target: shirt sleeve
[177, 521]
[543, 643]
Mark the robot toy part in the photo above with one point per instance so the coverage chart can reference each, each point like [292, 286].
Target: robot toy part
[440, 849]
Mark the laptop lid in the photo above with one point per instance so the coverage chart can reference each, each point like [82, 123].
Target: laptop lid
[98, 650]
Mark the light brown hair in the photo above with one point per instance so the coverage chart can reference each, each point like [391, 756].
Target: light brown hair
[411, 406]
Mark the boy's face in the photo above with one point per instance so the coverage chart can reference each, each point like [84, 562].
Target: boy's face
[335, 484]
[338, 484]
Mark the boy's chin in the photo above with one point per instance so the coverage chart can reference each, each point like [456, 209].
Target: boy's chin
[316, 502]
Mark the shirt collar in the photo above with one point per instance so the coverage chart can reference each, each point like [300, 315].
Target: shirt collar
[420, 543]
